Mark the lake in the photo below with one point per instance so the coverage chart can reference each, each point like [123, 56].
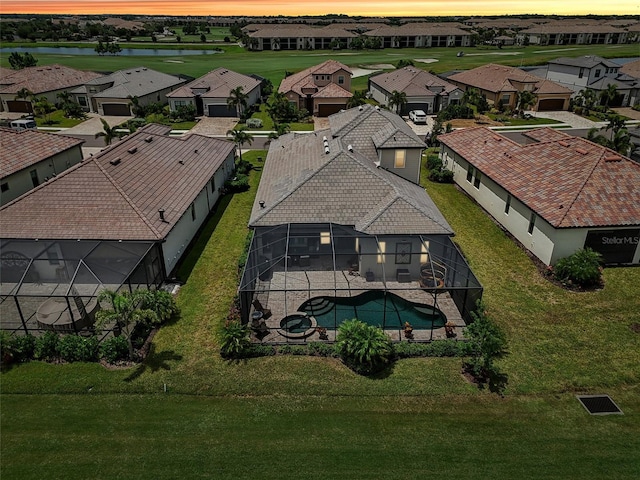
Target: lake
[148, 52]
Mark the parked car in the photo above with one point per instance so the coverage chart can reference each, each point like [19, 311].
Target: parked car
[417, 116]
[22, 124]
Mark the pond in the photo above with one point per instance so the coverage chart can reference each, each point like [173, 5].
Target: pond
[148, 52]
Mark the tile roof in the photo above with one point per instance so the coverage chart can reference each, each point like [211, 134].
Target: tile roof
[568, 181]
[300, 80]
[20, 150]
[302, 184]
[134, 82]
[298, 31]
[571, 28]
[46, 78]
[632, 69]
[586, 61]
[413, 81]
[117, 194]
[220, 82]
[498, 78]
[419, 29]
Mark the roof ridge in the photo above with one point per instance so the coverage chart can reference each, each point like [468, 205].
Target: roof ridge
[128, 200]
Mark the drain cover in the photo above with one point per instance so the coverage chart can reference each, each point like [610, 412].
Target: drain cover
[599, 404]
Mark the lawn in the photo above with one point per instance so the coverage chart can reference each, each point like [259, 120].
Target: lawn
[267, 122]
[57, 119]
[293, 417]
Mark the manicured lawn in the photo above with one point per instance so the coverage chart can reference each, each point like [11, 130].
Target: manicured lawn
[57, 119]
[310, 417]
[267, 122]
[517, 121]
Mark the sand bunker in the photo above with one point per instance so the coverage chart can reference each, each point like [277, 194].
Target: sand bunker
[174, 61]
[426, 60]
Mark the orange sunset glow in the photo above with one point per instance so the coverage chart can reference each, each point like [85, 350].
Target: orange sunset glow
[349, 7]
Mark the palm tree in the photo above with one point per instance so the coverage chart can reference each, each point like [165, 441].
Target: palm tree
[237, 99]
[398, 101]
[24, 94]
[621, 142]
[587, 99]
[240, 137]
[109, 133]
[524, 100]
[137, 109]
[608, 95]
[359, 98]
[125, 310]
[279, 129]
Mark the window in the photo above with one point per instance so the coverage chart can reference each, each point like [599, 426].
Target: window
[340, 79]
[532, 222]
[382, 248]
[213, 184]
[34, 178]
[403, 253]
[476, 182]
[400, 159]
[52, 255]
[581, 74]
[597, 74]
[193, 211]
[180, 103]
[507, 205]
[325, 238]
[506, 99]
[4, 187]
[82, 101]
[470, 171]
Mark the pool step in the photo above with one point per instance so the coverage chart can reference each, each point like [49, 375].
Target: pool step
[319, 306]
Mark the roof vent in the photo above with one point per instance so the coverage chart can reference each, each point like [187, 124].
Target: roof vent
[324, 139]
[613, 158]
[350, 147]
[161, 213]
[377, 107]
[581, 151]
[149, 139]
[261, 203]
[563, 143]
[360, 107]
[497, 139]
[115, 162]
[195, 151]
[133, 150]
[181, 162]
[326, 150]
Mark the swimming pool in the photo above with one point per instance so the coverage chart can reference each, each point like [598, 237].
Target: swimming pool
[374, 307]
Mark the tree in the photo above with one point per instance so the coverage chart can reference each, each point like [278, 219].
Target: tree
[586, 98]
[404, 63]
[279, 130]
[525, 100]
[238, 99]
[203, 38]
[359, 98]
[364, 348]
[19, 61]
[397, 101]
[608, 95]
[43, 107]
[240, 137]
[109, 133]
[138, 110]
[24, 94]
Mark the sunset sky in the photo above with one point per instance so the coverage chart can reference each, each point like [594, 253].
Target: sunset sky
[296, 7]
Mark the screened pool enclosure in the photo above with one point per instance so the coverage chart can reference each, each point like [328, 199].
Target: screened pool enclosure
[302, 281]
[53, 284]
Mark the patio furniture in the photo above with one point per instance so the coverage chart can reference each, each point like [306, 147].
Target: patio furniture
[403, 275]
[370, 276]
[266, 312]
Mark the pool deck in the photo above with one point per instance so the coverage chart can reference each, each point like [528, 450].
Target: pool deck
[284, 293]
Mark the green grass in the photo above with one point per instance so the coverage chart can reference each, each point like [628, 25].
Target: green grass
[57, 119]
[311, 417]
[267, 122]
[517, 121]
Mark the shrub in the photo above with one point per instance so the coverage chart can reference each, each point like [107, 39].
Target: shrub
[235, 340]
[23, 347]
[363, 348]
[434, 162]
[162, 303]
[455, 111]
[254, 123]
[322, 349]
[441, 176]
[582, 268]
[47, 346]
[254, 351]
[6, 347]
[114, 349]
[74, 348]
[240, 183]
[243, 167]
[439, 348]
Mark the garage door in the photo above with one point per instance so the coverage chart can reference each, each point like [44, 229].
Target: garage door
[221, 111]
[324, 110]
[416, 106]
[116, 109]
[19, 106]
[551, 104]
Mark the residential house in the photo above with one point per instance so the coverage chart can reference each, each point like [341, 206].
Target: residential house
[112, 94]
[29, 158]
[209, 93]
[596, 73]
[121, 219]
[340, 219]
[424, 90]
[322, 89]
[500, 83]
[555, 195]
[573, 33]
[42, 81]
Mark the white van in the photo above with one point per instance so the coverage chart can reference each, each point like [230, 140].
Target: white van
[23, 124]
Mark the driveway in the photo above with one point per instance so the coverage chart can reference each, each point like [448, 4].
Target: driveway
[214, 126]
[93, 125]
[576, 121]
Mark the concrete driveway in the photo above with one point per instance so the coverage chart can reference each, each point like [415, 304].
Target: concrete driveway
[93, 125]
[214, 126]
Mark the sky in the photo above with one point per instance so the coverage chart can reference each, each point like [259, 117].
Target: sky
[350, 7]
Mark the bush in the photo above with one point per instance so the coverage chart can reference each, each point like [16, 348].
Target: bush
[235, 340]
[240, 183]
[582, 268]
[439, 348]
[23, 347]
[441, 176]
[322, 349]
[254, 351]
[363, 348]
[162, 303]
[455, 111]
[254, 123]
[434, 162]
[47, 346]
[114, 349]
[74, 348]
[243, 167]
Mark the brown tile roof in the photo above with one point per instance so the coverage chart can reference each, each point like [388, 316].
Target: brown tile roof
[300, 80]
[571, 27]
[419, 29]
[117, 194]
[632, 69]
[568, 181]
[46, 78]
[20, 150]
[413, 81]
[220, 83]
[498, 78]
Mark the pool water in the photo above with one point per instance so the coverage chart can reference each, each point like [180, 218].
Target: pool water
[374, 307]
[295, 323]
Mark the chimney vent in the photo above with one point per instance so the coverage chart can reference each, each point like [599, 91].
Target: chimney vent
[350, 147]
[161, 213]
[261, 203]
[133, 150]
[326, 150]
[149, 139]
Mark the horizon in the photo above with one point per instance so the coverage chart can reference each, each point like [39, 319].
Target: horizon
[290, 8]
